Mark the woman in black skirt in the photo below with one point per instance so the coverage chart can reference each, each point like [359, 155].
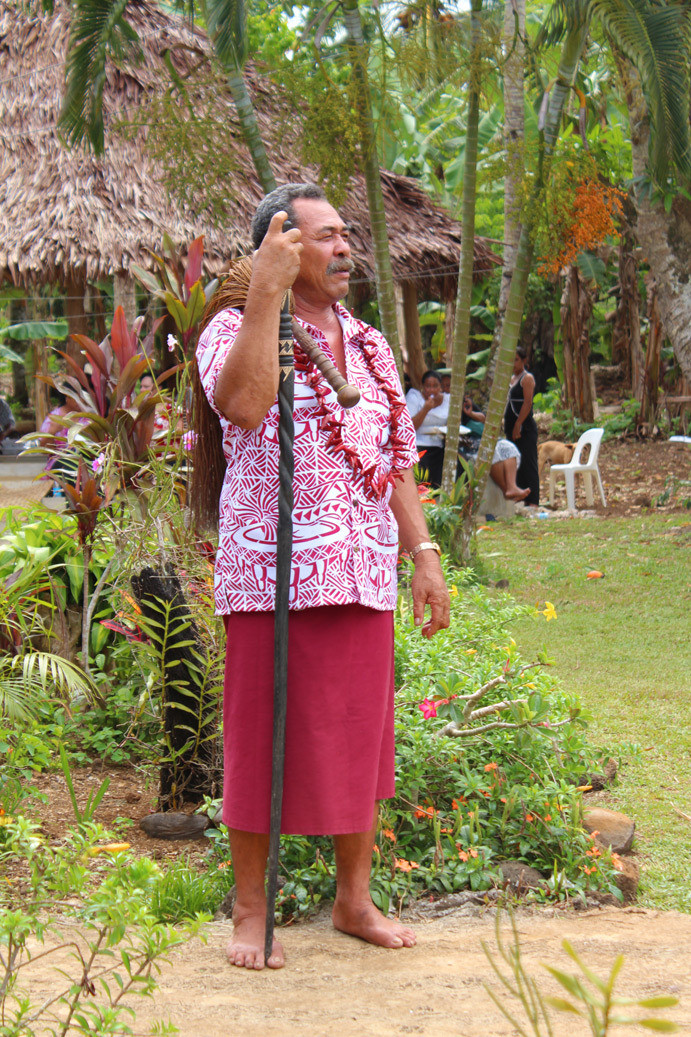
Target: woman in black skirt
[520, 427]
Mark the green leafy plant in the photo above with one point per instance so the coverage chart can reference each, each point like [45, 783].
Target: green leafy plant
[118, 945]
[84, 814]
[592, 998]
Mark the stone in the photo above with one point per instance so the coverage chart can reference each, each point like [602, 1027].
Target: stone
[518, 876]
[612, 828]
[173, 824]
[627, 877]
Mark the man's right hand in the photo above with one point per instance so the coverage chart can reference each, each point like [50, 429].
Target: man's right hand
[276, 263]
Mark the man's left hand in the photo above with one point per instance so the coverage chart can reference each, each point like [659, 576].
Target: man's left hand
[429, 588]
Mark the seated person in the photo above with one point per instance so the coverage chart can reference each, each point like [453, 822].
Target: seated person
[506, 458]
[429, 410]
[7, 422]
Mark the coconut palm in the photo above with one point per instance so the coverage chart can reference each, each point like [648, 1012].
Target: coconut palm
[652, 37]
[100, 28]
[465, 271]
[370, 167]
[27, 679]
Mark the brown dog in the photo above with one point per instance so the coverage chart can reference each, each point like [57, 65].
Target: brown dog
[554, 452]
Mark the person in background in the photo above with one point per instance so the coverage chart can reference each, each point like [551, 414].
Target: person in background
[506, 458]
[520, 427]
[429, 410]
[7, 422]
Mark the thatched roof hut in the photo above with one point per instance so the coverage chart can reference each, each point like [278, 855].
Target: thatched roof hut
[66, 216]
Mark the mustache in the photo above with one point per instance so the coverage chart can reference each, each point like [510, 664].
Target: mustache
[336, 266]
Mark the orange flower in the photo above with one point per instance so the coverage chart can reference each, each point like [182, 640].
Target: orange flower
[425, 812]
[404, 865]
[473, 852]
[547, 817]
[593, 852]
[388, 832]
[456, 803]
[491, 767]
[463, 855]
[589, 871]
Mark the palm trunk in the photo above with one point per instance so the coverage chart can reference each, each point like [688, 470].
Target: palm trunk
[663, 236]
[626, 333]
[570, 57]
[651, 381]
[375, 198]
[250, 128]
[576, 314]
[514, 132]
[465, 272]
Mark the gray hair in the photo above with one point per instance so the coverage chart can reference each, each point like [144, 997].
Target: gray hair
[281, 199]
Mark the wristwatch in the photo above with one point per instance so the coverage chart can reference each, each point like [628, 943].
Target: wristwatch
[427, 545]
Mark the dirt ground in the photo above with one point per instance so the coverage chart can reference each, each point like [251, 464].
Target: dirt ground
[635, 473]
[335, 985]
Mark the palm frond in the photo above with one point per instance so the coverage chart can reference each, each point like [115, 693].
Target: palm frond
[227, 27]
[563, 17]
[23, 678]
[656, 38]
[98, 29]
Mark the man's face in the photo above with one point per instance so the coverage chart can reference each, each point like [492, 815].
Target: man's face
[325, 262]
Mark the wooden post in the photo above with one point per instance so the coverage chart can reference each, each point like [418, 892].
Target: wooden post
[413, 336]
[77, 320]
[124, 294]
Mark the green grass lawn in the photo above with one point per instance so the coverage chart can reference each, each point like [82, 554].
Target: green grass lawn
[622, 643]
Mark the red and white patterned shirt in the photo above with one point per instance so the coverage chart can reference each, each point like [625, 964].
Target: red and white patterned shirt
[345, 538]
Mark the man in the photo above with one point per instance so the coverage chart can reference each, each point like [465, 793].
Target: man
[339, 740]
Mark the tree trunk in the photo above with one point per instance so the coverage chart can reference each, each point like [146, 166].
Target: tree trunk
[568, 65]
[651, 381]
[513, 136]
[250, 129]
[465, 270]
[576, 313]
[413, 339]
[626, 332]
[375, 198]
[664, 237]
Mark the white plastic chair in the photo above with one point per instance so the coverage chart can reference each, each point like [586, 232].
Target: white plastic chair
[592, 439]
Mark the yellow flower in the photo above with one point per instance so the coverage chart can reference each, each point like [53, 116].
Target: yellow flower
[454, 591]
[471, 651]
[549, 611]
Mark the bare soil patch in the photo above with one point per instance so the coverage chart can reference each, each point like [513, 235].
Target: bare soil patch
[635, 474]
[334, 985]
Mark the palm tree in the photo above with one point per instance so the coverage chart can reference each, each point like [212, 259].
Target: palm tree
[650, 42]
[465, 271]
[375, 199]
[513, 134]
[99, 28]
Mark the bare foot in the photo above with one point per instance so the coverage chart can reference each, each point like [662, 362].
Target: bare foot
[246, 948]
[516, 494]
[370, 924]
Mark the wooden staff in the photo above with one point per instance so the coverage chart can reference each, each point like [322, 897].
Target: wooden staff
[284, 552]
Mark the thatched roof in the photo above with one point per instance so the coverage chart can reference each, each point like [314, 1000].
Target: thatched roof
[65, 214]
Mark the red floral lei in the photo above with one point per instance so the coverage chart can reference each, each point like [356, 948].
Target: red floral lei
[376, 480]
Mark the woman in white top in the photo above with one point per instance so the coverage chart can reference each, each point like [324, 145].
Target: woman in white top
[429, 410]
